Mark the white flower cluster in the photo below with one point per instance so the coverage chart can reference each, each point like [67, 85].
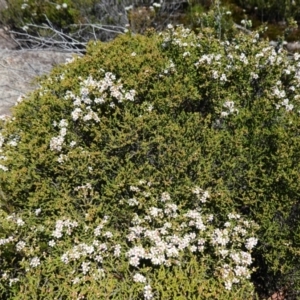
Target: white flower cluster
[20, 246]
[86, 105]
[10, 141]
[229, 105]
[208, 59]
[201, 195]
[244, 59]
[106, 90]
[24, 5]
[15, 219]
[169, 69]
[265, 59]
[87, 186]
[235, 262]
[286, 104]
[161, 235]
[57, 142]
[3, 168]
[61, 224]
[148, 292]
[179, 36]
[164, 244]
[281, 94]
[34, 262]
[6, 241]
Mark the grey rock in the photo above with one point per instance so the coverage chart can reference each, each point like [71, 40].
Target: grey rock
[18, 68]
[6, 41]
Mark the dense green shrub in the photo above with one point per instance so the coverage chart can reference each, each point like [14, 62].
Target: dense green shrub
[146, 163]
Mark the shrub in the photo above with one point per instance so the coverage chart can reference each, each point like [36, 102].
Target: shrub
[152, 160]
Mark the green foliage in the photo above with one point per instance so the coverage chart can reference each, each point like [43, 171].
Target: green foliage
[216, 16]
[59, 13]
[145, 141]
[270, 10]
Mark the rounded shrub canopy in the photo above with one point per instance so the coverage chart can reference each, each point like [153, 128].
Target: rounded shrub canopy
[152, 160]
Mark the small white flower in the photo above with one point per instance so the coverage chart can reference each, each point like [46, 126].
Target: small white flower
[108, 234]
[13, 280]
[117, 250]
[20, 245]
[165, 197]
[224, 252]
[20, 222]
[64, 258]
[296, 56]
[51, 243]
[148, 292]
[254, 75]
[215, 74]
[58, 7]
[34, 262]
[38, 211]
[13, 143]
[132, 202]
[62, 158]
[75, 280]
[85, 267]
[63, 123]
[251, 243]
[64, 5]
[76, 113]
[63, 132]
[289, 107]
[57, 233]
[150, 108]
[228, 285]
[193, 248]
[133, 54]
[134, 188]
[72, 144]
[223, 77]
[210, 217]
[224, 114]
[139, 278]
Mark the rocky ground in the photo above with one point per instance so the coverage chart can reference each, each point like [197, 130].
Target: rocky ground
[18, 68]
